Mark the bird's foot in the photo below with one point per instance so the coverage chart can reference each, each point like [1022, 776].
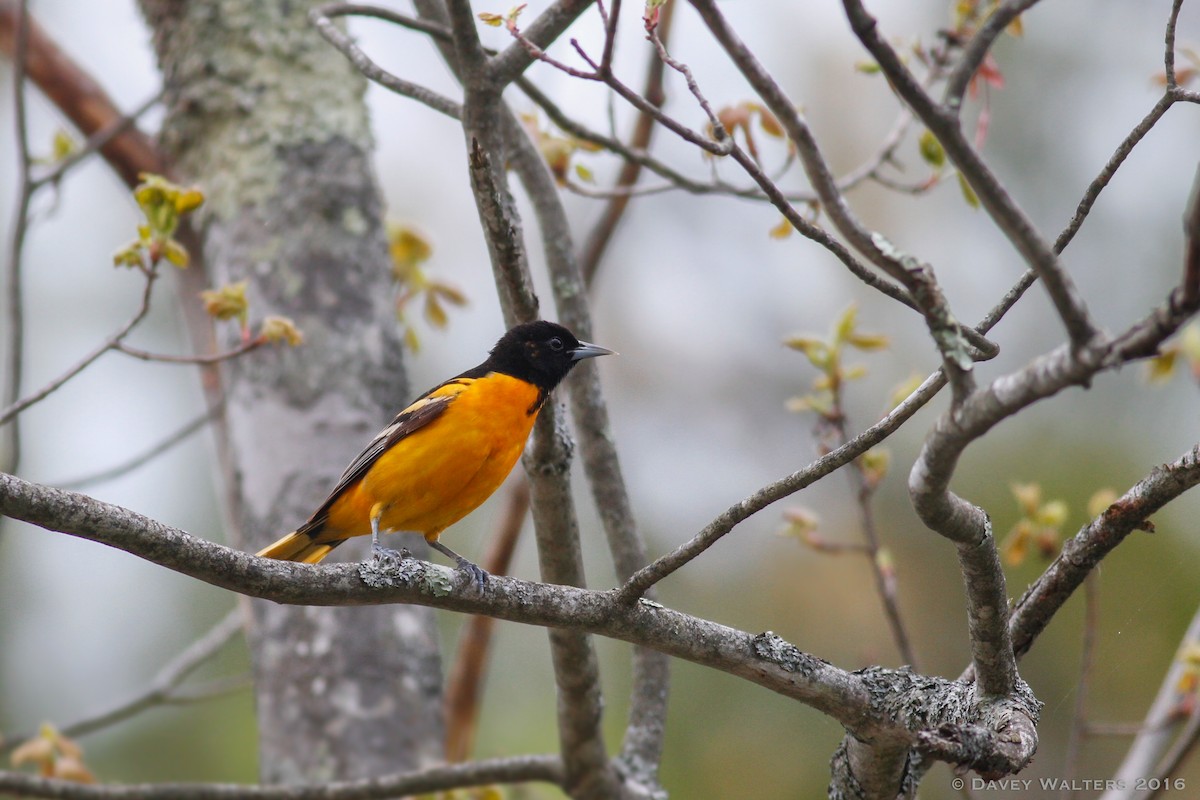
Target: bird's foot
[386, 556]
[475, 573]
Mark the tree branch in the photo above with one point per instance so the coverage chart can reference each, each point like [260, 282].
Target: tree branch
[977, 49]
[1094, 541]
[85, 103]
[15, 16]
[322, 17]
[1008, 216]
[597, 240]
[464, 685]
[723, 524]
[763, 659]
[506, 67]
[162, 687]
[111, 343]
[547, 769]
[915, 276]
[642, 750]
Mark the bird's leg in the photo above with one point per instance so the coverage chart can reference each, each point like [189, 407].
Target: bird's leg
[379, 551]
[474, 572]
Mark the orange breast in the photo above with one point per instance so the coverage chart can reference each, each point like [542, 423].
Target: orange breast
[443, 471]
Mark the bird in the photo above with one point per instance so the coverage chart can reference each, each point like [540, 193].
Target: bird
[446, 453]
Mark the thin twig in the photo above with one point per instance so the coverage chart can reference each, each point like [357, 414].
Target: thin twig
[720, 144]
[1162, 720]
[1101, 181]
[515, 769]
[321, 18]
[82, 100]
[199, 360]
[885, 584]
[162, 688]
[134, 462]
[13, 348]
[1172, 80]
[830, 462]
[1003, 209]
[110, 343]
[1184, 744]
[977, 49]
[597, 240]
[96, 142]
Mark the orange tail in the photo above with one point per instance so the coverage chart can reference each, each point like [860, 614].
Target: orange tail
[297, 546]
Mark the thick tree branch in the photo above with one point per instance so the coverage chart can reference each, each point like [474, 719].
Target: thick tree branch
[968, 526]
[486, 125]
[763, 659]
[642, 750]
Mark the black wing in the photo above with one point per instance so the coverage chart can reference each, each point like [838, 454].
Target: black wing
[416, 416]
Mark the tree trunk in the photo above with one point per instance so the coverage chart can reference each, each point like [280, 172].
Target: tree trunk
[270, 122]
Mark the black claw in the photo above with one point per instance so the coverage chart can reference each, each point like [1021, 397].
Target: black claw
[475, 573]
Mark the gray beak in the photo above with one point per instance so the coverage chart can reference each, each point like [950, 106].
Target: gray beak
[586, 350]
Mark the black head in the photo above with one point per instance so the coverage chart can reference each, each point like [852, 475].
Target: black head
[540, 352]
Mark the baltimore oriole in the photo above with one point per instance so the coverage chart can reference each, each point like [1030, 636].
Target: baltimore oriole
[445, 454]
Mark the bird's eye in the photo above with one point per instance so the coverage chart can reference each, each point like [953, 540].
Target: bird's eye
[556, 344]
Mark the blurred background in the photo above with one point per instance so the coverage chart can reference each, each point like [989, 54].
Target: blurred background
[697, 297]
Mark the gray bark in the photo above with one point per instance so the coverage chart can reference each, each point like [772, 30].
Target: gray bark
[270, 121]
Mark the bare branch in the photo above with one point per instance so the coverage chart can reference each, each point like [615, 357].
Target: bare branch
[12, 352]
[642, 750]
[541, 33]
[110, 343]
[723, 524]
[602, 230]
[95, 143]
[977, 49]
[853, 699]
[1008, 216]
[1169, 53]
[212, 358]
[1082, 553]
[322, 16]
[133, 462]
[163, 687]
[1079, 718]
[85, 103]
[915, 276]
[546, 769]
[1110, 169]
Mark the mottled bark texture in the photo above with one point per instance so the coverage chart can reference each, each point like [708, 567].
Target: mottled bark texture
[270, 122]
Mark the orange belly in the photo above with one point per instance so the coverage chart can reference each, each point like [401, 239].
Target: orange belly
[438, 474]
